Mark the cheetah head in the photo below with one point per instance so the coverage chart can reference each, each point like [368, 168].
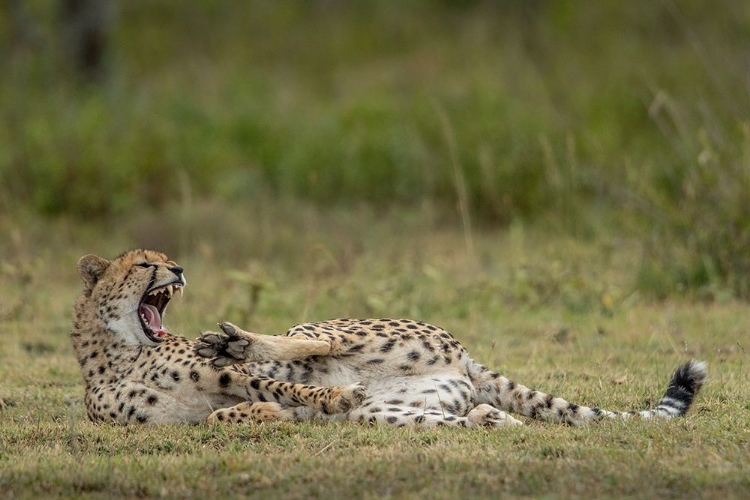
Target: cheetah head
[130, 294]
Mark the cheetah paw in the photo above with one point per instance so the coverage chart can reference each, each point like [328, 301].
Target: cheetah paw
[226, 347]
[485, 415]
[349, 398]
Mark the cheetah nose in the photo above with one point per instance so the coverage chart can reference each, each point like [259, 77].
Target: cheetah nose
[177, 270]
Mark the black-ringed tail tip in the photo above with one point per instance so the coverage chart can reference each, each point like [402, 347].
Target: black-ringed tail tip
[685, 384]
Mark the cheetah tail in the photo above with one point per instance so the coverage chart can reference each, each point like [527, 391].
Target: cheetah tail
[506, 395]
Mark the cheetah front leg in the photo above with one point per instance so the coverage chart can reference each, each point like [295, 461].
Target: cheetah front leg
[327, 400]
[260, 412]
[234, 345]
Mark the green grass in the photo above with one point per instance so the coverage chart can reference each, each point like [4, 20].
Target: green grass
[555, 313]
[344, 104]
[518, 111]
[563, 185]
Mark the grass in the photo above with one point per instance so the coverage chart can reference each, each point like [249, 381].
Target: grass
[349, 104]
[503, 109]
[563, 185]
[548, 310]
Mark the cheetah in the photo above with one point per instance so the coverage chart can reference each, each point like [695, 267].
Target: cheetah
[135, 371]
[378, 371]
[418, 374]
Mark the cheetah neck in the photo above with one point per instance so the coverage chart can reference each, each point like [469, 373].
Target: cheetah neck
[100, 356]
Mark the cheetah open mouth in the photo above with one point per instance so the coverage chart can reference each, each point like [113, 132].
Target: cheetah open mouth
[152, 307]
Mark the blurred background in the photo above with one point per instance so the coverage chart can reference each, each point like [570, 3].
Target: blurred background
[235, 130]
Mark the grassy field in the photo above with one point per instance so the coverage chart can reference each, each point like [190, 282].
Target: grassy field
[563, 185]
[548, 310]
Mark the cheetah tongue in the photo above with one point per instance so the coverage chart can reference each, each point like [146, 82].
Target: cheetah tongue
[153, 319]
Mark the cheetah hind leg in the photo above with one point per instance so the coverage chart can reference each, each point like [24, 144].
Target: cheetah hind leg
[483, 415]
[233, 345]
[260, 412]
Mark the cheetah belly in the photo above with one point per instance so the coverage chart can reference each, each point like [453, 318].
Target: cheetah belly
[441, 388]
[447, 391]
[188, 406]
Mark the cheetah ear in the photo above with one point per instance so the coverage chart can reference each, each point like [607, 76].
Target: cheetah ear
[91, 269]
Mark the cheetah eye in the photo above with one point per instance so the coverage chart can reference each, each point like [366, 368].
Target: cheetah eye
[144, 264]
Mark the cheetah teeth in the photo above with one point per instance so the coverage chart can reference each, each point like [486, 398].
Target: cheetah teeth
[169, 290]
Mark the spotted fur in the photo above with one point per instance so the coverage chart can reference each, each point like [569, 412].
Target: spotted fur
[136, 372]
[411, 373]
[419, 374]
